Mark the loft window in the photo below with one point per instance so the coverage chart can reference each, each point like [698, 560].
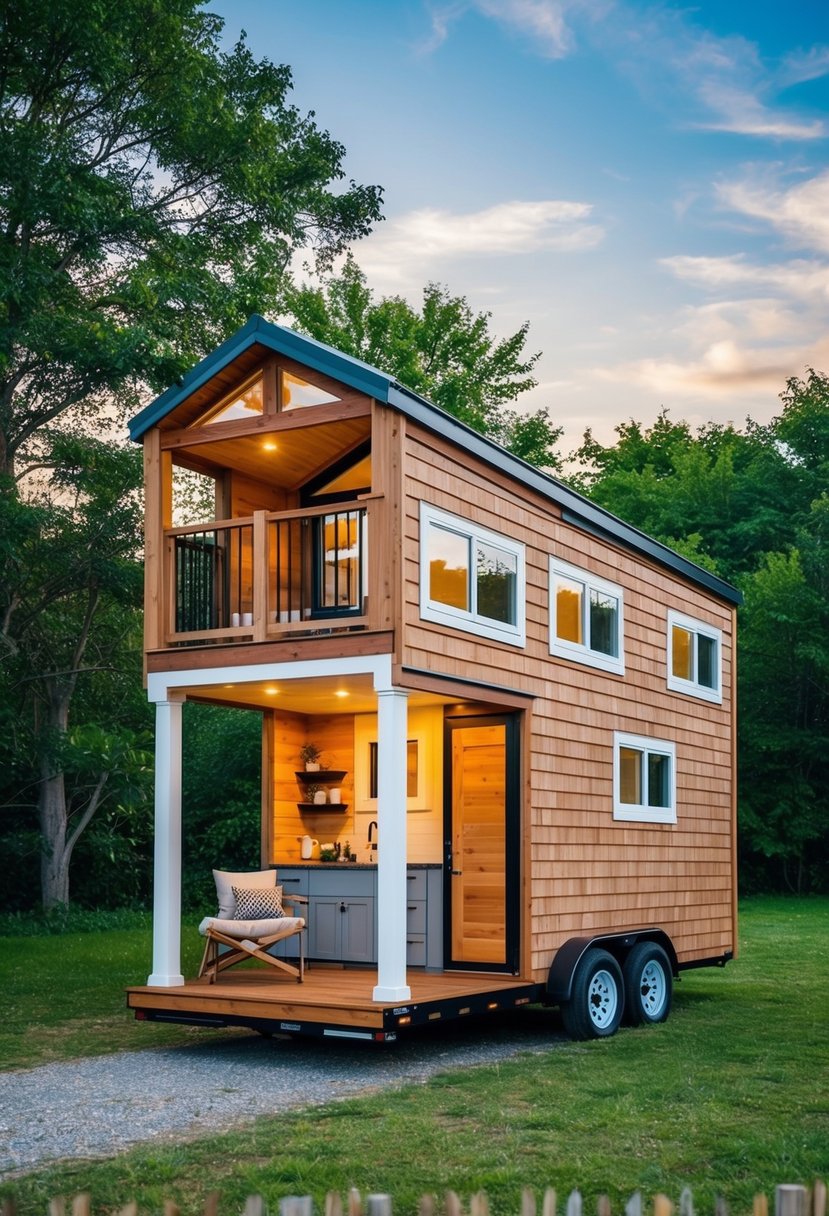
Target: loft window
[586, 618]
[298, 393]
[644, 779]
[246, 403]
[471, 578]
[694, 658]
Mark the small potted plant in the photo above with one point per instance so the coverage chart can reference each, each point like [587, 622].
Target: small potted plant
[310, 754]
[328, 852]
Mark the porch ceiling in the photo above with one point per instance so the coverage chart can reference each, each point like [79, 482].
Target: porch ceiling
[341, 695]
[287, 458]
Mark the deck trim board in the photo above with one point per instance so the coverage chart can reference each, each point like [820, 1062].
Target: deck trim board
[332, 998]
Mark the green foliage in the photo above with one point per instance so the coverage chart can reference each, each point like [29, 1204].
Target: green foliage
[152, 189]
[221, 797]
[444, 352]
[751, 506]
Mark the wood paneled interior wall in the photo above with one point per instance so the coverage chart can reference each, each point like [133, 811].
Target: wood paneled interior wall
[589, 873]
[334, 734]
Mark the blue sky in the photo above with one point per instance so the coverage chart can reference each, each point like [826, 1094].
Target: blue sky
[647, 184]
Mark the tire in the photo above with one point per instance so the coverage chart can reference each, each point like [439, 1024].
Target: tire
[648, 985]
[597, 1002]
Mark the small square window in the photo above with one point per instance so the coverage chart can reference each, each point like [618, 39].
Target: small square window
[644, 779]
[586, 618]
[694, 658]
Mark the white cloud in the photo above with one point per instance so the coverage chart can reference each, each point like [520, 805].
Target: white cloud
[800, 213]
[800, 277]
[724, 369]
[545, 22]
[403, 244]
[801, 66]
[741, 113]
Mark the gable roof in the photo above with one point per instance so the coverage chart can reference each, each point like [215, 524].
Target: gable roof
[317, 356]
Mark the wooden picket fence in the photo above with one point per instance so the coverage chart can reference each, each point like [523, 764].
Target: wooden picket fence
[789, 1200]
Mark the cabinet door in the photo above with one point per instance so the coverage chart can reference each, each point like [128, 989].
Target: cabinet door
[358, 930]
[324, 933]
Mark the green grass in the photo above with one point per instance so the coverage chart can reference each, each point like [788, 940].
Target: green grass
[63, 994]
[728, 1097]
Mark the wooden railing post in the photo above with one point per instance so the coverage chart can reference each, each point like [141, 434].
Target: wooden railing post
[260, 576]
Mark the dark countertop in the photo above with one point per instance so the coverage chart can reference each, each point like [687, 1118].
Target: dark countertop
[349, 865]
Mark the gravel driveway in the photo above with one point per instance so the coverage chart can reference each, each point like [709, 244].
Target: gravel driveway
[103, 1105]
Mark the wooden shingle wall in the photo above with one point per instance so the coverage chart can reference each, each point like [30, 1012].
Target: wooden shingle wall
[589, 873]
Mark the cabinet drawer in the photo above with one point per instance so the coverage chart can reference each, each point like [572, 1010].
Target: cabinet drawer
[415, 885]
[292, 882]
[416, 916]
[415, 951]
[342, 882]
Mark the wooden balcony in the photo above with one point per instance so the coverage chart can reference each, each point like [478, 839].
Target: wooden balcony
[270, 575]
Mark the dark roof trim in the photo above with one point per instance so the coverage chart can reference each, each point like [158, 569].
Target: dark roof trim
[576, 509]
[353, 372]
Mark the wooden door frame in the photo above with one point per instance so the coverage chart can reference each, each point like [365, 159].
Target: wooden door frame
[512, 842]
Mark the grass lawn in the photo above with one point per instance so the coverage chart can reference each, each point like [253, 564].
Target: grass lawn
[729, 1097]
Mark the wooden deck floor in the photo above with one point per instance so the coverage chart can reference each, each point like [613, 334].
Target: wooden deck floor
[331, 1000]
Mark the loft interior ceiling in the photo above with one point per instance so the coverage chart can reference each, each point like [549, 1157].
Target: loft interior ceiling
[348, 695]
[299, 453]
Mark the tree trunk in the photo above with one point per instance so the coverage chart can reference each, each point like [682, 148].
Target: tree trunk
[52, 811]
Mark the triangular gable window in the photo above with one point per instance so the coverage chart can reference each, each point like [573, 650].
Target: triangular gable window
[246, 404]
[298, 393]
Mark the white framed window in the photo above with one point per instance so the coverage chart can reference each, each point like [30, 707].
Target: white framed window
[644, 779]
[694, 657]
[471, 578]
[586, 618]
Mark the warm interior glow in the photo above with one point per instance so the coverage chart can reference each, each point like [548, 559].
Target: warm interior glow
[569, 614]
[681, 653]
[449, 568]
[298, 393]
[241, 405]
[630, 776]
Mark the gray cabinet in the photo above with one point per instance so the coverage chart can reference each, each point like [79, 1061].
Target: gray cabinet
[341, 928]
[342, 913]
[341, 919]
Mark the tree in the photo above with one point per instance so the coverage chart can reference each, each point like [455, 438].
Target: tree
[71, 589]
[752, 506]
[152, 190]
[445, 352]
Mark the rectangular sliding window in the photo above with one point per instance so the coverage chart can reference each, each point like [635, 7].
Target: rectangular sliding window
[644, 779]
[586, 618]
[694, 658]
[471, 578]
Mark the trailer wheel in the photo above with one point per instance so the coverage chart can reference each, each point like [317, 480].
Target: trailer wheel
[595, 1008]
[648, 985]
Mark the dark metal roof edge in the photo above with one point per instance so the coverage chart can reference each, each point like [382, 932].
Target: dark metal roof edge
[576, 509]
[279, 338]
[485, 685]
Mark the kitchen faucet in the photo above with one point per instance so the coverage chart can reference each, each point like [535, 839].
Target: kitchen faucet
[372, 828]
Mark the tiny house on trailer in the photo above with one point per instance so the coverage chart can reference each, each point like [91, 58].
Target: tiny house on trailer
[524, 708]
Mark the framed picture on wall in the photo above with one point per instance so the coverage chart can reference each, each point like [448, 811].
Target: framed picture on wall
[422, 757]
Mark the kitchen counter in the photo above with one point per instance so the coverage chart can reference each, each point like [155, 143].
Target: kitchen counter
[349, 865]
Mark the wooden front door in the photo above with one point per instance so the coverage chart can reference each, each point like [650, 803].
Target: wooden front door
[481, 887]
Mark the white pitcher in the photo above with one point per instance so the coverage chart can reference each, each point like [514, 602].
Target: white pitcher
[306, 847]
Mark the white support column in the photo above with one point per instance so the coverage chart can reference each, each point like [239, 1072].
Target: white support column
[167, 872]
[391, 854]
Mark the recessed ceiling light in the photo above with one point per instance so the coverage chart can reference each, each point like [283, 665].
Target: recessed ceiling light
[341, 692]
[272, 692]
[269, 445]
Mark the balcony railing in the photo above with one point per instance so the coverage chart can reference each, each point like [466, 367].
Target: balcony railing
[270, 574]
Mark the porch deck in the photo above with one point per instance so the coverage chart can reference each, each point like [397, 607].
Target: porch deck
[333, 1001]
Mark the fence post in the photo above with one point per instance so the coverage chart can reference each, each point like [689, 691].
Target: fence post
[376, 1205]
[291, 1205]
[791, 1201]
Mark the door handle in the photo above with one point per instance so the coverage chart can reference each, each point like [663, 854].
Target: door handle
[456, 872]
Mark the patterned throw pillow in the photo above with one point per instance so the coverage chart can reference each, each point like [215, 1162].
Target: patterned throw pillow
[262, 904]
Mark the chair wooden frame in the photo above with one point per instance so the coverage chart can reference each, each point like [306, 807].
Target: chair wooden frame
[254, 946]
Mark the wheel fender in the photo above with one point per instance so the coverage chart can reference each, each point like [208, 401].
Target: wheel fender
[567, 957]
